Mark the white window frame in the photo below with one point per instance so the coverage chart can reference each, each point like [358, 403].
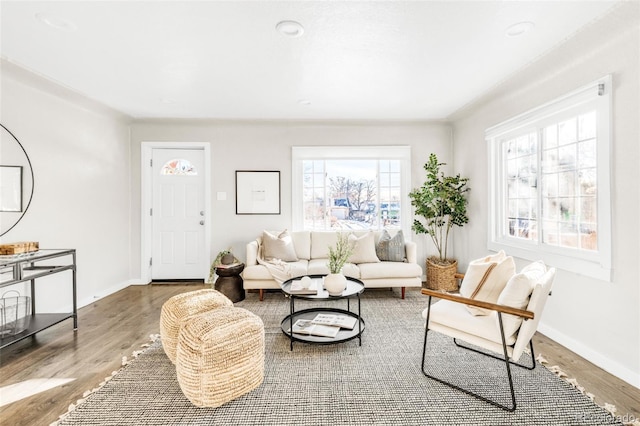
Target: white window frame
[596, 264]
[301, 153]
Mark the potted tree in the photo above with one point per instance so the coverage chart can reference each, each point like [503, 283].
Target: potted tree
[441, 201]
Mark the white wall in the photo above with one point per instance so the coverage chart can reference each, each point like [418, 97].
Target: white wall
[267, 146]
[80, 155]
[598, 320]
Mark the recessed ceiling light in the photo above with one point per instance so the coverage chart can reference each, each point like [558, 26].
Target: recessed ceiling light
[290, 28]
[519, 28]
[56, 22]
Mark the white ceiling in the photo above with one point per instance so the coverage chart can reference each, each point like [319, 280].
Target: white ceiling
[382, 60]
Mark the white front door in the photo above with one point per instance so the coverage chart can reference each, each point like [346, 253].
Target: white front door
[178, 216]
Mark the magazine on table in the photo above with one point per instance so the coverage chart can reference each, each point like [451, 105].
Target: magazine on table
[300, 287]
[307, 327]
[340, 321]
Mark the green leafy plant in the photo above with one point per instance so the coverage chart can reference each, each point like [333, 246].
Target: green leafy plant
[339, 254]
[441, 201]
[217, 262]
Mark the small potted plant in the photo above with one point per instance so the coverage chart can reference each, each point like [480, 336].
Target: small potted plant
[225, 257]
[441, 201]
[336, 282]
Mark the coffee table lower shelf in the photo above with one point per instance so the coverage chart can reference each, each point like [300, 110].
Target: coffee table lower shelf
[344, 334]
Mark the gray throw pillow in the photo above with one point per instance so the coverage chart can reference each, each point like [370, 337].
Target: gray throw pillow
[391, 249]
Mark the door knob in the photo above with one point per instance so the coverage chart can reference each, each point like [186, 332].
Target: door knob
[202, 222]
[201, 212]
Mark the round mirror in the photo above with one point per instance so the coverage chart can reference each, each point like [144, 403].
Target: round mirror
[16, 181]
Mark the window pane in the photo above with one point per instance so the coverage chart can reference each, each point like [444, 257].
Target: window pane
[550, 160]
[589, 210]
[178, 167]
[567, 157]
[567, 131]
[587, 182]
[587, 153]
[550, 137]
[567, 184]
[587, 126]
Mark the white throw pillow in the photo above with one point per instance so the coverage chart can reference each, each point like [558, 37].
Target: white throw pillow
[486, 278]
[516, 295]
[278, 247]
[364, 248]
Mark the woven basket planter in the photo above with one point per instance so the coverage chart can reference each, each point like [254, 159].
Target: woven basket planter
[442, 277]
[220, 356]
[180, 308]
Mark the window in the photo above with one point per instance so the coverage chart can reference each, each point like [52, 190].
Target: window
[178, 166]
[549, 179]
[351, 188]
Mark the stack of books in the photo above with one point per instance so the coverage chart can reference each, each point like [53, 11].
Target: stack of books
[305, 285]
[324, 325]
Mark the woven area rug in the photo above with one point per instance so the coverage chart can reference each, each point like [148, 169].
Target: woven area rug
[378, 383]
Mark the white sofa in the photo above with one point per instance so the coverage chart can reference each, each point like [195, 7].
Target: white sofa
[312, 248]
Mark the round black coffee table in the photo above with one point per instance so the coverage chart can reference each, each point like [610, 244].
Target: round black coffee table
[230, 282]
[354, 288]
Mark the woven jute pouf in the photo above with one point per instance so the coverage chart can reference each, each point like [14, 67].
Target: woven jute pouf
[220, 356]
[181, 307]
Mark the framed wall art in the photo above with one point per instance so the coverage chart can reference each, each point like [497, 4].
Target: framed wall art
[257, 192]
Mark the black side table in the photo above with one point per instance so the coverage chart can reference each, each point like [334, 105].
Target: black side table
[230, 282]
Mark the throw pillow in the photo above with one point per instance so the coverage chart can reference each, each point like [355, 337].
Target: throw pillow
[391, 249]
[278, 247]
[516, 295]
[486, 278]
[364, 249]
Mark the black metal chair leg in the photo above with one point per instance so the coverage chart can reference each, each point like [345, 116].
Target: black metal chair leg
[533, 358]
[468, 392]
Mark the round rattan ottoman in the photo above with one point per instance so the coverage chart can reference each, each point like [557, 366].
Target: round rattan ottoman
[181, 307]
[220, 356]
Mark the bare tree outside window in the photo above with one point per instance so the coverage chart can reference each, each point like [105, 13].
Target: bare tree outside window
[351, 194]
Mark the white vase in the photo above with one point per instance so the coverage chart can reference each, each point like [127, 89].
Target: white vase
[335, 284]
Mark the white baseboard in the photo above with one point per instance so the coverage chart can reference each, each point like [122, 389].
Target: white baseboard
[610, 366]
[114, 288]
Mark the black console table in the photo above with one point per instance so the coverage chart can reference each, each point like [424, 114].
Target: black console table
[26, 267]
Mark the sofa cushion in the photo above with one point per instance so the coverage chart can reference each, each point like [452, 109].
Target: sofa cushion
[278, 246]
[302, 244]
[389, 270]
[318, 266]
[486, 278]
[320, 243]
[391, 249]
[363, 248]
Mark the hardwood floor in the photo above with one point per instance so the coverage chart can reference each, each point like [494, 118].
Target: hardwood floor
[115, 326]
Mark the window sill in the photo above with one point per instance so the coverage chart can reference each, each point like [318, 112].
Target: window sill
[592, 268]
